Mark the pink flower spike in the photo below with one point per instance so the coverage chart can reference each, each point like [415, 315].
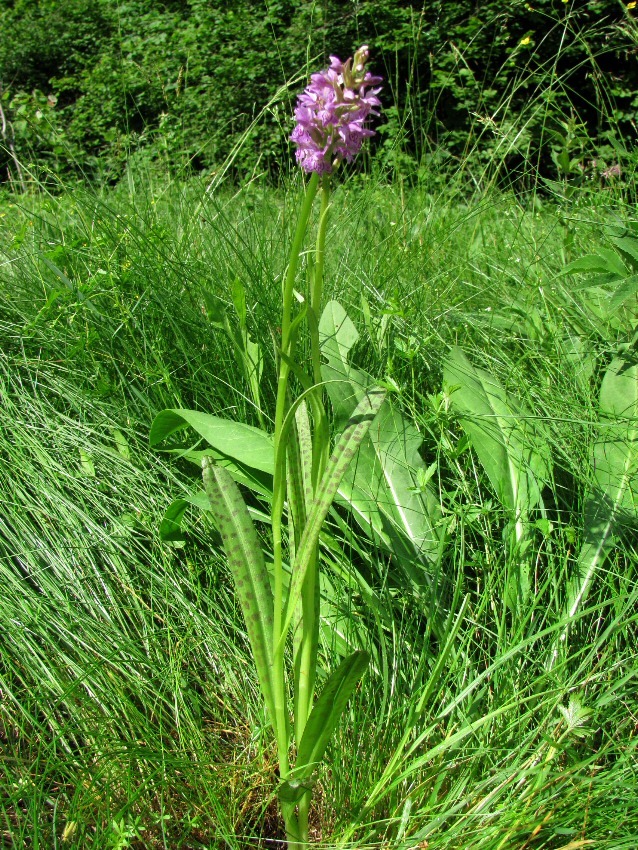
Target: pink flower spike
[332, 111]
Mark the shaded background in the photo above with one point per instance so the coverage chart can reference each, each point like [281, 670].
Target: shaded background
[88, 87]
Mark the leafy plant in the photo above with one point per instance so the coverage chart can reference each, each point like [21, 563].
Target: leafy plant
[141, 85]
[613, 272]
[511, 448]
[386, 488]
[305, 476]
[611, 505]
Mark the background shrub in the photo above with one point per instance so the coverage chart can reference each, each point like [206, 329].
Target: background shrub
[86, 86]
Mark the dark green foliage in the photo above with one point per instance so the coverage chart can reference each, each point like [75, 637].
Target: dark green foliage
[179, 84]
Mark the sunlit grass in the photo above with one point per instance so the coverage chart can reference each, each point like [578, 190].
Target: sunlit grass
[130, 714]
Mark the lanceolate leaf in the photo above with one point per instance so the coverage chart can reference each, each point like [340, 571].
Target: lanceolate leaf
[171, 525]
[346, 386]
[247, 565]
[250, 446]
[508, 446]
[258, 481]
[380, 487]
[614, 496]
[327, 711]
[628, 246]
[343, 453]
[502, 433]
[626, 289]
[605, 261]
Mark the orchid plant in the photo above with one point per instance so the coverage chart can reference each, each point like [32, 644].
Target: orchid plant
[282, 602]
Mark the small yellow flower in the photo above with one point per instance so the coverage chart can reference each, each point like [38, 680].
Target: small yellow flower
[526, 40]
[631, 5]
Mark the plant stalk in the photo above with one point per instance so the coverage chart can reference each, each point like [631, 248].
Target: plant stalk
[281, 720]
[308, 649]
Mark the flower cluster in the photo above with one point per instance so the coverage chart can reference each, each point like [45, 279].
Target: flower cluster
[332, 111]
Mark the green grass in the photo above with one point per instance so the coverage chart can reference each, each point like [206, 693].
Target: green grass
[129, 712]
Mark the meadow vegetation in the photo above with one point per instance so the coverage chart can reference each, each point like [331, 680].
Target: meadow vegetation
[498, 308]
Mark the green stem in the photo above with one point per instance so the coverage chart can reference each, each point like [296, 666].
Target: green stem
[281, 723]
[321, 442]
[321, 447]
[304, 826]
[307, 652]
[292, 827]
[320, 250]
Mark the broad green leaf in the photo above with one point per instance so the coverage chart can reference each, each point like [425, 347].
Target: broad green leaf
[594, 282]
[342, 455]
[238, 294]
[588, 264]
[380, 486]
[254, 366]
[614, 261]
[86, 463]
[256, 480]
[215, 309]
[613, 500]
[327, 711]
[579, 352]
[625, 290]
[246, 561]
[251, 446]
[628, 245]
[337, 336]
[503, 434]
[170, 529]
[121, 443]
[508, 446]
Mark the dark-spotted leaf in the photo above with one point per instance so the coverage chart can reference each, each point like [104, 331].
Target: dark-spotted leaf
[246, 562]
[171, 530]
